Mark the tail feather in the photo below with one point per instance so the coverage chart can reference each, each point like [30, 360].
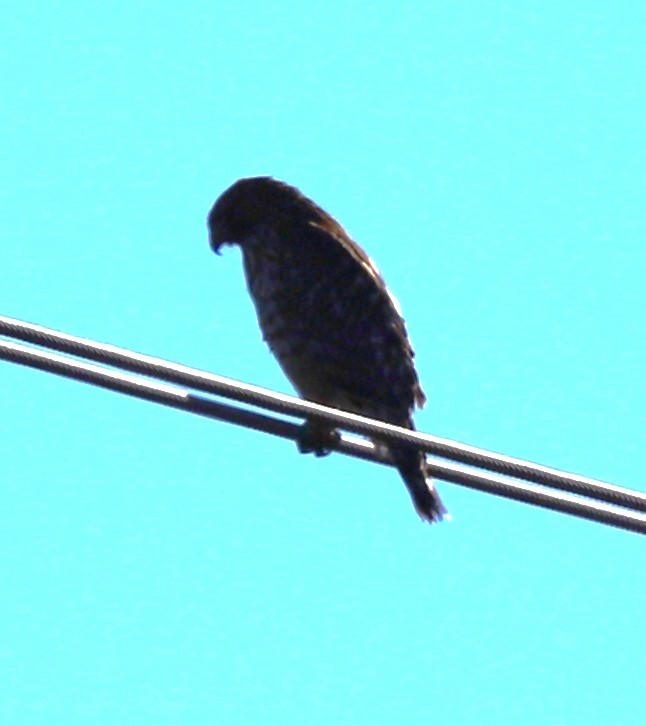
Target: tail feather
[413, 468]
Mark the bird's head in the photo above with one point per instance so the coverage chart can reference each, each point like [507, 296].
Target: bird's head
[252, 204]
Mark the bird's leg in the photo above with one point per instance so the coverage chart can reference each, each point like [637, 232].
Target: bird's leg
[317, 437]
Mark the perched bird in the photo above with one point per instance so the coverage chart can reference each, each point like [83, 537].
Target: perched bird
[327, 316]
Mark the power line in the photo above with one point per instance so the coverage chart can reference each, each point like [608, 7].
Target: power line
[246, 393]
[186, 401]
[280, 403]
[213, 384]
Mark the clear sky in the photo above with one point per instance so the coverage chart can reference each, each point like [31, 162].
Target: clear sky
[162, 568]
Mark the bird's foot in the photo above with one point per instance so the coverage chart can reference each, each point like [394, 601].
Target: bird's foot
[318, 438]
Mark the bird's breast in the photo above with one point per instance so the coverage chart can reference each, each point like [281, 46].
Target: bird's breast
[334, 330]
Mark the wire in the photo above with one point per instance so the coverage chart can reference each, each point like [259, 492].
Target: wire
[185, 400]
[280, 403]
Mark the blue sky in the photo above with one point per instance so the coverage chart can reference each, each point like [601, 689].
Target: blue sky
[162, 568]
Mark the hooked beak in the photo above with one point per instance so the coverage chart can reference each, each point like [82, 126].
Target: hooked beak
[216, 244]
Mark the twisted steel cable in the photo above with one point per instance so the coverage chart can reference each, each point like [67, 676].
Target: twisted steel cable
[214, 384]
[280, 403]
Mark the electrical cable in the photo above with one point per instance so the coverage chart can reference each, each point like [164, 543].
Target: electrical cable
[185, 400]
[281, 403]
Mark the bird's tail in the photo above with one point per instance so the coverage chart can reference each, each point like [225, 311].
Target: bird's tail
[413, 468]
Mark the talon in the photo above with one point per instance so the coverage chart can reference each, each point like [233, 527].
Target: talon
[317, 438]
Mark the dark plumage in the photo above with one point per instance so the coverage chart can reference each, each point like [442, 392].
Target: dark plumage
[326, 314]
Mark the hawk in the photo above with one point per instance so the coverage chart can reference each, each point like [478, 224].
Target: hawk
[328, 318]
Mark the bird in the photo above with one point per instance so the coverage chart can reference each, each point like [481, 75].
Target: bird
[330, 321]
